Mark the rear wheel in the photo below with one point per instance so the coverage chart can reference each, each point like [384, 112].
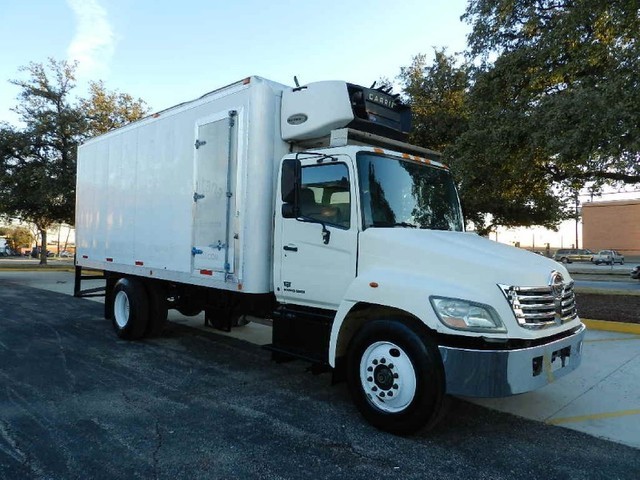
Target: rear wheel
[130, 308]
[396, 377]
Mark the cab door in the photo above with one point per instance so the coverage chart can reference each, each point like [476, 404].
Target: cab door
[316, 250]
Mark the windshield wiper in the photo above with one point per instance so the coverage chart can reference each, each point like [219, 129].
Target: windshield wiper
[396, 224]
[404, 224]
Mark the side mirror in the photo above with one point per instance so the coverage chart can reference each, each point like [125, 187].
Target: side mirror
[289, 210]
[290, 187]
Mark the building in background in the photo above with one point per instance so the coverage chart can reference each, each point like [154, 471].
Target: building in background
[592, 229]
[612, 225]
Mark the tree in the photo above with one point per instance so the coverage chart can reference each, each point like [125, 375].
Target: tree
[551, 104]
[19, 237]
[492, 192]
[38, 162]
[106, 110]
[502, 176]
[558, 80]
[38, 181]
[437, 94]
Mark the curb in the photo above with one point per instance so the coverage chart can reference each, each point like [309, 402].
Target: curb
[618, 327]
[38, 269]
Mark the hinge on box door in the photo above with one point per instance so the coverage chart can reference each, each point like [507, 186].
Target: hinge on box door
[232, 117]
[197, 196]
[219, 246]
[196, 251]
[199, 143]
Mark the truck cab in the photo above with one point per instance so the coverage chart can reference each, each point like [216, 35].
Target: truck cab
[371, 259]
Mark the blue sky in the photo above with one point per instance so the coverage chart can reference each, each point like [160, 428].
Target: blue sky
[167, 52]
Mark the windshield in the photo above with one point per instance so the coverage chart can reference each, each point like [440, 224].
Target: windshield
[399, 193]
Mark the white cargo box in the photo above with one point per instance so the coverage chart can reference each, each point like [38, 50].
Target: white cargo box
[186, 194]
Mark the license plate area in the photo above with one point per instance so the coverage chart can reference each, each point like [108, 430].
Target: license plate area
[559, 359]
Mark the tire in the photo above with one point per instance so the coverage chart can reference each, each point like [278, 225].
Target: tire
[565, 260]
[158, 309]
[130, 309]
[395, 377]
[621, 262]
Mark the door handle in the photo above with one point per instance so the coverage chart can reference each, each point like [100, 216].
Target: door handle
[290, 248]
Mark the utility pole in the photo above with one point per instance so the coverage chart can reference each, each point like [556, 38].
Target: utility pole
[577, 216]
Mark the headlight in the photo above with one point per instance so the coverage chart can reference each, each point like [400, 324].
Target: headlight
[464, 315]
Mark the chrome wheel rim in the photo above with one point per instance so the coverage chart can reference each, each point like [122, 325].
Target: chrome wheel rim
[387, 377]
[121, 309]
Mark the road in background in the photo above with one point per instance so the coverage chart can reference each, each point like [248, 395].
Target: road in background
[631, 286]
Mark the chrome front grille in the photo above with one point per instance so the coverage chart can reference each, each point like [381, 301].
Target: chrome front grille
[539, 307]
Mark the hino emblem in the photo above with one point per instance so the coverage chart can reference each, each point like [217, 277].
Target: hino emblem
[557, 285]
[557, 290]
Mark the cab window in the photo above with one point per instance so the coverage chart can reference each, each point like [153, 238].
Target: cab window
[325, 194]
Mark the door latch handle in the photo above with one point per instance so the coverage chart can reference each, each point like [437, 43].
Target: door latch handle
[289, 248]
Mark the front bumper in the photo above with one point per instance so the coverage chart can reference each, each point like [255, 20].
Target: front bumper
[500, 373]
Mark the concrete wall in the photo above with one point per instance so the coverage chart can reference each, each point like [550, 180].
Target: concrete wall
[612, 225]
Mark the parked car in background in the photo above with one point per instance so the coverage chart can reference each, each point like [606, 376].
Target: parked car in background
[66, 254]
[635, 272]
[568, 255]
[609, 257]
[35, 252]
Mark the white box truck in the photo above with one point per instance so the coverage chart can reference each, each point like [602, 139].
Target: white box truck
[304, 205]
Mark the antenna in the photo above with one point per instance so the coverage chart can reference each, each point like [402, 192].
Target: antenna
[295, 80]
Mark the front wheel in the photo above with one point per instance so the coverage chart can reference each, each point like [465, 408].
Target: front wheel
[395, 376]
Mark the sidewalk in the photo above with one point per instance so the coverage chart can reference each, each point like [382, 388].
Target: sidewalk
[600, 398]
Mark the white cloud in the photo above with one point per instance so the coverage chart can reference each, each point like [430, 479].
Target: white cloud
[93, 44]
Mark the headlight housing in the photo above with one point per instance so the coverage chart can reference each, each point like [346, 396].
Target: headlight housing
[465, 315]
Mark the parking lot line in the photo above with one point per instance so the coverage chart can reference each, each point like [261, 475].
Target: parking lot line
[595, 416]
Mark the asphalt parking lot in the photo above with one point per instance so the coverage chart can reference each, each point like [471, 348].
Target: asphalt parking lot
[77, 402]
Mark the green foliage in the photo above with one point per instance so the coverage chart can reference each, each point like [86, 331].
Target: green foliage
[106, 110]
[19, 237]
[437, 94]
[566, 83]
[546, 103]
[38, 162]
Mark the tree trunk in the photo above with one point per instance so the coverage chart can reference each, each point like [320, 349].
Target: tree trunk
[43, 248]
[66, 240]
[59, 228]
